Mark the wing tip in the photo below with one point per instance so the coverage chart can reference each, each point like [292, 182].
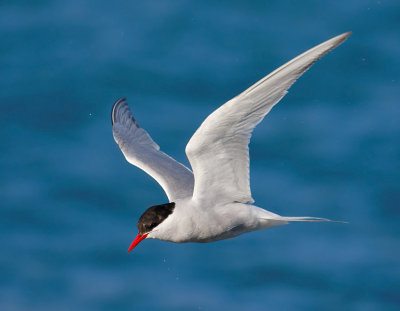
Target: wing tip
[115, 107]
[347, 34]
[328, 45]
[121, 112]
[341, 38]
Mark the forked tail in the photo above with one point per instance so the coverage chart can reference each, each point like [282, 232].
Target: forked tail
[310, 219]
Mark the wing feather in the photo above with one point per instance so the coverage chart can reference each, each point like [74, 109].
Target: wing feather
[140, 150]
[218, 151]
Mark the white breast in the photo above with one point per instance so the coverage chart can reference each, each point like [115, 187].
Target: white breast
[191, 222]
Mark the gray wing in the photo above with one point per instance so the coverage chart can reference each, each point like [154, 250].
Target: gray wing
[140, 150]
[218, 152]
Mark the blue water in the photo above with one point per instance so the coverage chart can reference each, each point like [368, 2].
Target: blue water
[70, 202]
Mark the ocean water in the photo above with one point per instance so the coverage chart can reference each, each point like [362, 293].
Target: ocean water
[70, 202]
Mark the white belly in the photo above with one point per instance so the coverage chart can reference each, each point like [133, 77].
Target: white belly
[192, 223]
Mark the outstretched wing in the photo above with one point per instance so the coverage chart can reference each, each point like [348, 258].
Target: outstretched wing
[140, 150]
[218, 152]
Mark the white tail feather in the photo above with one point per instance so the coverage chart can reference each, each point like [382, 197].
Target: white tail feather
[310, 219]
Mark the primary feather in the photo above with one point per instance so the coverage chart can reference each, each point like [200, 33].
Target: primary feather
[218, 151]
[140, 150]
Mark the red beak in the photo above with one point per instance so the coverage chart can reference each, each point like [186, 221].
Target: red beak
[137, 240]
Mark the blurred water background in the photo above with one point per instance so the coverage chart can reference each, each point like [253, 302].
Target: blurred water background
[70, 202]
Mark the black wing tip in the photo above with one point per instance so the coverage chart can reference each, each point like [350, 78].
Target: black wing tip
[115, 106]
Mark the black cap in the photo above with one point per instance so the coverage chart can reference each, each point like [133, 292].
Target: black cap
[153, 216]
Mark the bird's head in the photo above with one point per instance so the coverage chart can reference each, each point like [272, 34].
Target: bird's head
[150, 220]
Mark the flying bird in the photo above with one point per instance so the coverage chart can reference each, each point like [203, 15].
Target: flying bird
[212, 201]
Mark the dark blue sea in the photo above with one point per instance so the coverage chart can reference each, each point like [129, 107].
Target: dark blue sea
[69, 202]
